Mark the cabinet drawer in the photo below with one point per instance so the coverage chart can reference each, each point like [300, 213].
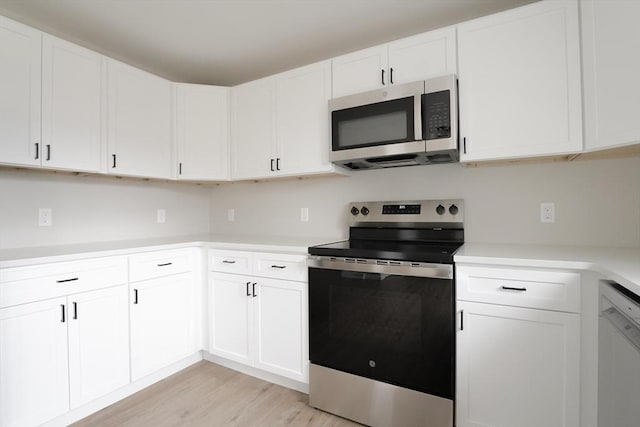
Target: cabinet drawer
[150, 265]
[27, 284]
[281, 266]
[549, 290]
[238, 262]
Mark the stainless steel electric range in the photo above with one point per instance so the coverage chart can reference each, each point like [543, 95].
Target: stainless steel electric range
[382, 315]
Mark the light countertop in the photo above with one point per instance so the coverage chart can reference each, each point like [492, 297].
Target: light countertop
[621, 265]
[45, 254]
[618, 264]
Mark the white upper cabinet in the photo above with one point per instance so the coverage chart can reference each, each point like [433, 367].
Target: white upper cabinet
[202, 132]
[280, 124]
[402, 61]
[519, 79]
[139, 122]
[71, 106]
[302, 98]
[253, 129]
[20, 83]
[610, 42]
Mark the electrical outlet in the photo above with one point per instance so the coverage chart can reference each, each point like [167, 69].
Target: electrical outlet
[548, 212]
[161, 216]
[304, 214]
[45, 217]
[231, 215]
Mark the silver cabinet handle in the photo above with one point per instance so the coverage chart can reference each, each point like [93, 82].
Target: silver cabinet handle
[165, 264]
[63, 317]
[37, 151]
[224, 261]
[278, 266]
[67, 280]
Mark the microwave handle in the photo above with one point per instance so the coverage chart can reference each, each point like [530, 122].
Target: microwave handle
[417, 117]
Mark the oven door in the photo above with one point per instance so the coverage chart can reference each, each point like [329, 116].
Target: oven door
[398, 329]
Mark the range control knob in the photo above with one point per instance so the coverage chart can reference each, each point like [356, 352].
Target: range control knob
[354, 211]
[440, 210]
[364, 210]
[453, 209]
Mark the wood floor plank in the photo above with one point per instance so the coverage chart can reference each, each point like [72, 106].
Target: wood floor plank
[207, 395]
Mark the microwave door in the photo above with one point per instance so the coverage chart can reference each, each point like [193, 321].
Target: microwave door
[382, 123]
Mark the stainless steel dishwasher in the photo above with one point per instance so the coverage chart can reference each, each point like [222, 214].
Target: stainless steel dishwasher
[619, 357]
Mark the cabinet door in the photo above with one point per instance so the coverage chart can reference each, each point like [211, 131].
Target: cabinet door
[517, 367]
[202, 132]
[281, 328]
[98, 343]
[610, 34]
[20, 76]
[230, 298]
[138, 122]
[71, 106]
[423, 56]
[253, 130]
[519, 77]
[360, 71]
[162, 323]
[303, 120]
[34, 385]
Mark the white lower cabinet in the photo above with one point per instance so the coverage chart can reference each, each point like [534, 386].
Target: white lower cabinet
[60, 353]
[98, 343]
[516, 366]
[163, 328]
[34, 370]
[230, 316]
[260, 321]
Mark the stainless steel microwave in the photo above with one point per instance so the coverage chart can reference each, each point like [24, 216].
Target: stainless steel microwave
[408, 124]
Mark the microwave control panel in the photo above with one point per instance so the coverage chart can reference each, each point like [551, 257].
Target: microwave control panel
[436, 110]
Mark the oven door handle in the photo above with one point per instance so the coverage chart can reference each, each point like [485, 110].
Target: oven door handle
[436, 271]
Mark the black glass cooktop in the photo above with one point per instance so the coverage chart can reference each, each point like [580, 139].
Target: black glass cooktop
[389, 250]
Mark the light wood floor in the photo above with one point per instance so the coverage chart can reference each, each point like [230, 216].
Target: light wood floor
[206, 394]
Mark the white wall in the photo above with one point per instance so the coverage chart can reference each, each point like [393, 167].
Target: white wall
[95, 208]
[597, 201]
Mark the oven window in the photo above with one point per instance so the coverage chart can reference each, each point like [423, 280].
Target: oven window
[395, 329]
[386, 122]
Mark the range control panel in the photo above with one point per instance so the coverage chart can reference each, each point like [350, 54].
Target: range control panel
[419, 211]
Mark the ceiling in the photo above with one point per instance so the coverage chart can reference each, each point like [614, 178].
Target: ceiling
[227, 42]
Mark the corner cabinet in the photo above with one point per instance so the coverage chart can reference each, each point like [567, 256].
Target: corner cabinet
[402, 61]
[519, 79]
[258, 311]
[280, 124]
[518, 347]
[610, 36]
[202, 132]
[139, 122]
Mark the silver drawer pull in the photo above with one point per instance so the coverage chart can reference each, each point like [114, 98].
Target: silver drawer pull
[509, 288]
[67, 280]
[165, 264]
[278, 266]
[224, 261]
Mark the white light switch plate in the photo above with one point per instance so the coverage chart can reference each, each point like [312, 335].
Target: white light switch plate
[231, 215]
[161, 216]
[304, 214]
